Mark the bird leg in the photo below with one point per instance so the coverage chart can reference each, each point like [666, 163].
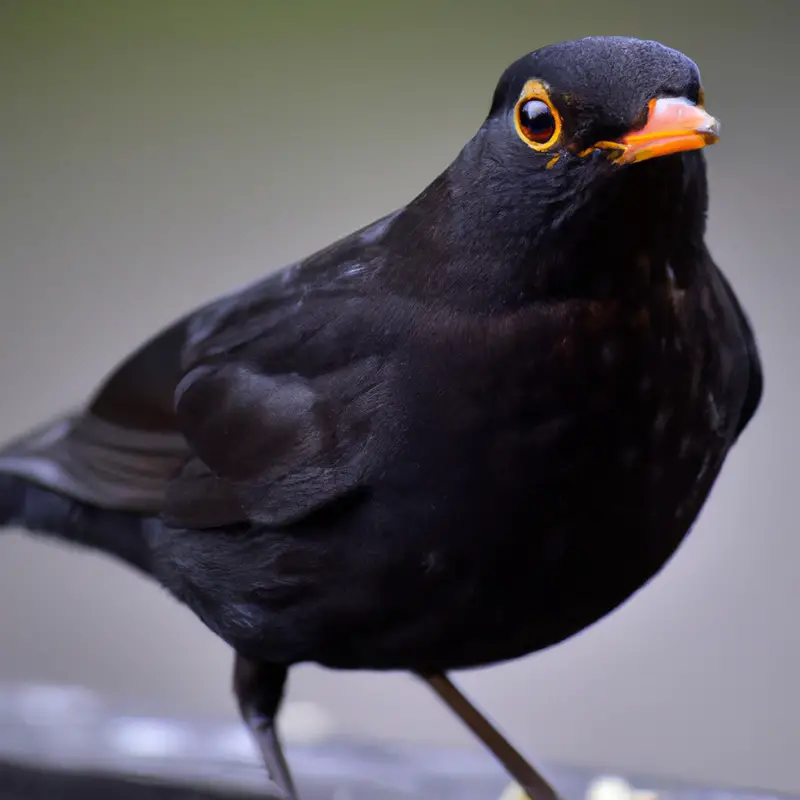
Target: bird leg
[532, 783]
[259, 691]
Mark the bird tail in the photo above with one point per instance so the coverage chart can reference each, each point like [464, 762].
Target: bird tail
[91, 483]
[24, 504]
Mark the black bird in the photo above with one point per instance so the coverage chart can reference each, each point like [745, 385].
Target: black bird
[454, 437]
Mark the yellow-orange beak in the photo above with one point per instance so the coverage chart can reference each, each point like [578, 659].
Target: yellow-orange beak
[674, 125]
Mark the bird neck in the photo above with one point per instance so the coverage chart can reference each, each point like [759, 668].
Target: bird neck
[514, 243]
[643, 229]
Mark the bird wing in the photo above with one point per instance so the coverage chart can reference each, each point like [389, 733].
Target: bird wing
[255, 407]
[271, 449]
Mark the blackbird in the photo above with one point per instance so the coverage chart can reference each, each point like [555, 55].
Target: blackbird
[457, 436]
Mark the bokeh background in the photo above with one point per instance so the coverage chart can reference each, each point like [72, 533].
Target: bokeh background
[156, 153]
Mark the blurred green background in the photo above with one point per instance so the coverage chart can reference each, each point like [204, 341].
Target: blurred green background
[155, 154]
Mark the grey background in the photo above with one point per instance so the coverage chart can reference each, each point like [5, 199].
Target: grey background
[154, 154]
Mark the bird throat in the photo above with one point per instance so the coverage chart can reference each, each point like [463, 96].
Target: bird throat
[639, 230]
[616, 236]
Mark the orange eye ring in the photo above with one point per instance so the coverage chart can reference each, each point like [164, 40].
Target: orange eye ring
[537, 122]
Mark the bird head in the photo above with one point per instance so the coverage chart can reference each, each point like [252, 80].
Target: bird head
[599, 102]
[590, 156]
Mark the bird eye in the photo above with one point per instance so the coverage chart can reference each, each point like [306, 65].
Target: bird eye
[537, 123]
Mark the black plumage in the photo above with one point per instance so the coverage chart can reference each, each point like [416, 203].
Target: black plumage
[457, 436]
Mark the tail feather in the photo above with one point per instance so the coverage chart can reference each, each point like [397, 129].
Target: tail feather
[86, 481]
[98, 477]
[106, 465]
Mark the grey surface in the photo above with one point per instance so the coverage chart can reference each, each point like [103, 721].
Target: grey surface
[23, 782]
[69, 742]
